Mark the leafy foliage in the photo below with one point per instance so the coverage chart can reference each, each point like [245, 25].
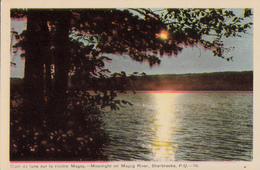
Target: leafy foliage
[191, 26]
[119, 32]
[77, 136]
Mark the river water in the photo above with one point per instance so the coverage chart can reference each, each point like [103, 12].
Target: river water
[181, 127]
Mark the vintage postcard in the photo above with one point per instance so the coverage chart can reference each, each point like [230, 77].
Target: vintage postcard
[129, 85]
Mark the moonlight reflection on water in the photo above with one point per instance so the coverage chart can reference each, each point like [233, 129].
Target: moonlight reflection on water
[163, 145]
[181, 127]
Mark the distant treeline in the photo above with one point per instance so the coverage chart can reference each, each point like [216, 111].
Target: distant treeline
[218, 81]
[215, 81]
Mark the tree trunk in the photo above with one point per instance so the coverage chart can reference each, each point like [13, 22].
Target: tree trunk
[61, 62]
[37, 45]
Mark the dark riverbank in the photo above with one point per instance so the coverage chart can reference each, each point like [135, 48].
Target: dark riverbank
[218, 81]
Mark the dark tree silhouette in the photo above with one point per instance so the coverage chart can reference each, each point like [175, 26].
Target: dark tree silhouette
[36, 52]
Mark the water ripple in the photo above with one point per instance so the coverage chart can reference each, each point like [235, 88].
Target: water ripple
[188, 126]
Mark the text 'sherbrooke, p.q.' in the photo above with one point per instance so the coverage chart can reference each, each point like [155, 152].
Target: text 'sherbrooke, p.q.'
[106, 166]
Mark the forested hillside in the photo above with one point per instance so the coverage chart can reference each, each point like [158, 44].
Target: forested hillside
[232, 81]
[220, 81]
